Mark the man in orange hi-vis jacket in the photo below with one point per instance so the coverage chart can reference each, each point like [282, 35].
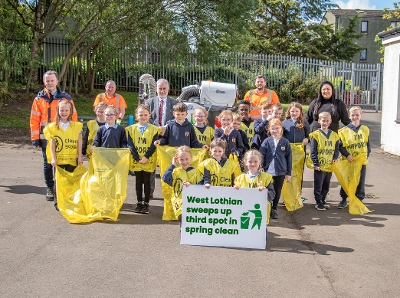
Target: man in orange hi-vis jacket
[259, 95]
[112, 99]
[44, 110]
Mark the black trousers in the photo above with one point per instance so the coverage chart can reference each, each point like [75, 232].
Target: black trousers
[278, 184]
[153, 183]
[360, 191]
[143, 179]
[322, 181]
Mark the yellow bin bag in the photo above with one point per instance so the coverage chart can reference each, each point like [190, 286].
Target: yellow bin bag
[165, 155]
[103, 189]
[348, 175]
[291, 191]
[69, 200]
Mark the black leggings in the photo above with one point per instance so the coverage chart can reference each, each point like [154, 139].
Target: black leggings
[278, 183]
[143, 179]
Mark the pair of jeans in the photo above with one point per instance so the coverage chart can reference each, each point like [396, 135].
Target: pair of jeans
[48, 170]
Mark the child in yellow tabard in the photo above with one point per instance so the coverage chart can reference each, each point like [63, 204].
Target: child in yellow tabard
[354, 141]
[92, 127]
[218, 170]
[324, 151]
[141, 137]
[204, 133]
[64, 140]
[179, 176]
[254, 177]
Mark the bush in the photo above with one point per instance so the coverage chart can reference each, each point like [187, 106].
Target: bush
[5, 96]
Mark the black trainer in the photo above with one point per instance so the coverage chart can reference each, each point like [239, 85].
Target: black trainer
[320, 206]
[139, 207]
[326, 205]
[342, 204]
[274, 214]
[50, 194]
[145, 208]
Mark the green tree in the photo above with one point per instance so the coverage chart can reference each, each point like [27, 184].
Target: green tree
[389, 14]
[213, 25]
[285, 27]
[42, 17]
[12, 52]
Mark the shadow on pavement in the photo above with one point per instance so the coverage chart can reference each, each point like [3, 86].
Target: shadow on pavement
[309, 216]
[24, 189]
[275, 243]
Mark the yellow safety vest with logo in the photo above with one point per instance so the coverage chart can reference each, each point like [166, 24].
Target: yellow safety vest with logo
[142, 143]
[66, 142]
[262, 179]
[179, 176]
[93, 127]
[220, 176]
[355, 142]
[249, 131]
[326, 148]
[205, 137]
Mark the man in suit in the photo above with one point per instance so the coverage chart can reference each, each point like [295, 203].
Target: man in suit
[161, 111]
[161, 105]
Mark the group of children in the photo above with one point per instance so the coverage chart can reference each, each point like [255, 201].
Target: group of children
[241, 153]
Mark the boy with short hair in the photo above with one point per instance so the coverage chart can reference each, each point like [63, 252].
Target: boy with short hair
[247, 124]
[236, 124]
[324, 151]
[277, 111]
[354, 141]
[179, 131]
[261, 125]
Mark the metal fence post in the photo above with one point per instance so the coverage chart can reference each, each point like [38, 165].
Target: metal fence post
[353, 78]
[378, 88]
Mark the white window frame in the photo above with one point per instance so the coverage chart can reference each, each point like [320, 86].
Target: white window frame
[364, 26]
[361, 55]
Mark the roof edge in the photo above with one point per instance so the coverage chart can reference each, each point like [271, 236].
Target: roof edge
[392, 31]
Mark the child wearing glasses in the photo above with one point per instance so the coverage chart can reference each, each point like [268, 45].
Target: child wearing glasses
[110, 135]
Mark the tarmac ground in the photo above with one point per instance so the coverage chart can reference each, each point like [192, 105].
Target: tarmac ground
[309, 253]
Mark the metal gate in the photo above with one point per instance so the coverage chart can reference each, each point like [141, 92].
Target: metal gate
[360, 85]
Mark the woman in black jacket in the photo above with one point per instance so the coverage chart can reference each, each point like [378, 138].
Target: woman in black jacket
[327, 102]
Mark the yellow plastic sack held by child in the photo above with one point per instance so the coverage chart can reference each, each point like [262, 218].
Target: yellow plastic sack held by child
[69, 200]
[165, 155]
[103, 189]
[291, 191]
[348, 175]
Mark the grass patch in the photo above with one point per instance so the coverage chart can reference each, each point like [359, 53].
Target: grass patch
[18, 118]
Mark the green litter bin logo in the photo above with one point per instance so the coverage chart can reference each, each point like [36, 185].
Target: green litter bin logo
[245, 218]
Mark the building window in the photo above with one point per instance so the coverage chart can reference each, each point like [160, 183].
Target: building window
[364, 26]
[394, 24]
[363, 55]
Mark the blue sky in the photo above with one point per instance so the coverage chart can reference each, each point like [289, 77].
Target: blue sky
[365, 4]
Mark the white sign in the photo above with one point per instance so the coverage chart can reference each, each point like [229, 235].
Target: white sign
[224, 216]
